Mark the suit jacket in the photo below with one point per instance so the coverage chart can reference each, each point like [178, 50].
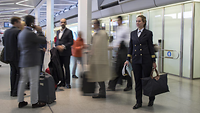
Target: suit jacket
[66, 40]
[54, 66]
[11, 52]
[141, 48]
[28, 44]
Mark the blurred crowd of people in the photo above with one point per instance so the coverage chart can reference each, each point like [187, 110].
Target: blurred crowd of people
[25, 50]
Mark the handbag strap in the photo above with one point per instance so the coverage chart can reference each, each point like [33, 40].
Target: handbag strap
[157, 74]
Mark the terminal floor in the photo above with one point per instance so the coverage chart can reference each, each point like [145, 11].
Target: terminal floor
[184, 97]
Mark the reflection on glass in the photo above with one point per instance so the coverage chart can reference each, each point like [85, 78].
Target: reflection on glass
[172, 35]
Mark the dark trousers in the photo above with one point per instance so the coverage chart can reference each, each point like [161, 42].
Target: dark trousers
[102, 89]
[112, 83]
[14, 77]
[42, 57]
[141, 71]
[65, 60]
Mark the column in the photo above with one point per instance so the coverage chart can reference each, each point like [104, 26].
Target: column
[50, 20]
[84, 19]
[84, 23]
[37, 15]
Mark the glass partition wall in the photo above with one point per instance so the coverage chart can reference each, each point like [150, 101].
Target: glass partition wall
[176, 26]
[173, 24]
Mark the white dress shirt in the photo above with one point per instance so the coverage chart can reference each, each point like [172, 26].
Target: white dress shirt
[140, 32]
[122, 34]
[61, 33]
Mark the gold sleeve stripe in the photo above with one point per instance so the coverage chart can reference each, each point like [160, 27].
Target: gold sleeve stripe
[129, 55]
[153, 56]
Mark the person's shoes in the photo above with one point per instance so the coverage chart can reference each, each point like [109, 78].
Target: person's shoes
[128, 89]
[15, 95]
[74, 76]
[137, 106]
[110, 89]
[99, 96]
[68, 86]
[150, 103]
[22, 104]
[38, 104]
[61, 85]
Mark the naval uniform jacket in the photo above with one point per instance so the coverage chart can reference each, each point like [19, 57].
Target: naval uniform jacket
[141, 48]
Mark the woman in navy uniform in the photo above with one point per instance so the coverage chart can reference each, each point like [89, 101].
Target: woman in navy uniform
[141, 51]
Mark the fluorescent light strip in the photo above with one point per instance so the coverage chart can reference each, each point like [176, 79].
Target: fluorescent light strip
[7, 3]
[22, 1]
[58, 4]
[19, 12]
[19, 3]
[8, 9]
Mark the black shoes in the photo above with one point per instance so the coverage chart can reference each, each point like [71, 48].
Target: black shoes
[22, 104]
[137, 106]
[68, 86]
[74, 76]
[15, 95]
[128, 89]
[140, 105]
[61, 85]
[110, 89]
[38, 104]
[151, 103]
[99, 96]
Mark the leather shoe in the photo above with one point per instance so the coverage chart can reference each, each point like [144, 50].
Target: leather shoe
[98, 96]
[74, 76]
[61, 85]
[38, 104]
[68, 86]
[128, 89]
[110, 89]
[22, 104]
[137, 106]
[15, 95]
[150, 103]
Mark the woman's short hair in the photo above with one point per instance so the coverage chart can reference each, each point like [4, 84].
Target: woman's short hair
[143, 19]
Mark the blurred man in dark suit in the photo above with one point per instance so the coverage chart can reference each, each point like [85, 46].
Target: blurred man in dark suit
[11, 53]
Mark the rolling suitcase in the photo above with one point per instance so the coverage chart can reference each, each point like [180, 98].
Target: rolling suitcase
[87, 87]
[46, 88]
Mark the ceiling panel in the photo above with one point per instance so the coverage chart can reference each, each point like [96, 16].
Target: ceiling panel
[9, 8]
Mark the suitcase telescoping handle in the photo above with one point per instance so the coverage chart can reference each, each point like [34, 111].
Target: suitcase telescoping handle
[42, 75]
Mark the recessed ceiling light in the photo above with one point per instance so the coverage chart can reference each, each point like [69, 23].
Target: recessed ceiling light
[6, 3]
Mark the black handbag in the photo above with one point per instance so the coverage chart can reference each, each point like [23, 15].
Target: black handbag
[2, 57]
[155, 85]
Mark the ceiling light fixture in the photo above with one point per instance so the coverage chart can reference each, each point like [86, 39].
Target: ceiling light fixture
[19, 3]
[7, 3]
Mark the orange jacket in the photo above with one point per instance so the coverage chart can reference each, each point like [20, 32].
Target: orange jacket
[77, 47]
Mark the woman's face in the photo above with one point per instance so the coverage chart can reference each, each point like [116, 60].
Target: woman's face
[139, 22]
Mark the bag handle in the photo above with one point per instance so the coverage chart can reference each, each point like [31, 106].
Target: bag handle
[157, 74]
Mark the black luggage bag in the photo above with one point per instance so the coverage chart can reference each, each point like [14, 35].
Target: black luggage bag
[87, 87]
[46, 88]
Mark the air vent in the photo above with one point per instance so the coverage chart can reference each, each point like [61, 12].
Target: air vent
[109, 3]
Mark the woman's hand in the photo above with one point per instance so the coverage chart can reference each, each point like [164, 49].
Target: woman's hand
[126, 63]
[154, 65]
